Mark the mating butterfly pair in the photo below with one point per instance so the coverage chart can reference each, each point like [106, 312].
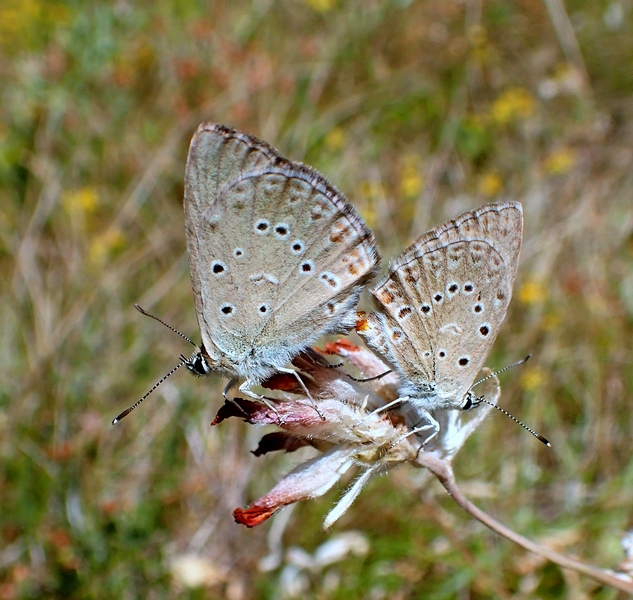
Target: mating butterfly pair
[279, 257]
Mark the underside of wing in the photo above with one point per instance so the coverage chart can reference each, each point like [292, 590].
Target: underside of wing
[499, 223]
[445, 297]
[280, 255]
[217, 154]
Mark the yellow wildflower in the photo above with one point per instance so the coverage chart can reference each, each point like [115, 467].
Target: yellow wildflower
[532, 379]
[367, 211]
[411, 180]
[104, 245]
[321, 5]
[531, 292]
[83, 201]
[490, 184]
[335, 139]
[372, 189]
[18, 16]
[560, 161]
[513, 104]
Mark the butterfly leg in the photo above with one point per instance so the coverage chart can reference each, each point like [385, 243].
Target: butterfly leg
[433, 424]
[245, 389]
[382, 409]
[225, 392]
[358, 379]
[296, 375]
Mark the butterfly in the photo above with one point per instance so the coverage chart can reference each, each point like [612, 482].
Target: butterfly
[278, 256]
[441, 305]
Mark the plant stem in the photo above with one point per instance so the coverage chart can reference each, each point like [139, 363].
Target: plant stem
[444, 472]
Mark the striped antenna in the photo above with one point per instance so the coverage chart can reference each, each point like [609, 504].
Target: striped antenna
[182, 362]
[127, 411]
[480, 399]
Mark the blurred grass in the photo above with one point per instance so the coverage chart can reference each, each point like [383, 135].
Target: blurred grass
[418, 111]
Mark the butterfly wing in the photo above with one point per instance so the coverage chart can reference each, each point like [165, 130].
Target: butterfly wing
[444, 299]
[278, 256]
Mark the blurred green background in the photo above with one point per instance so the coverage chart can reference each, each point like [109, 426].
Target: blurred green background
[417, 111]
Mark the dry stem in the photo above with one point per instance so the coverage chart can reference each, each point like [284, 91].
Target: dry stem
[444, 472]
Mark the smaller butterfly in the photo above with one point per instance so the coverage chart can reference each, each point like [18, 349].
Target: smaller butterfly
[441, 305]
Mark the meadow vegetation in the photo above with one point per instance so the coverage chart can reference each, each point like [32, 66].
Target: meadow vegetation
[417, 110]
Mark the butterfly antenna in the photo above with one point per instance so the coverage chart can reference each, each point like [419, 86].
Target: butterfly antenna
[358, 379]
[182, 335]
[127, 411]
[481, 399]
[516, 364]
[538, 436]
[366, 379]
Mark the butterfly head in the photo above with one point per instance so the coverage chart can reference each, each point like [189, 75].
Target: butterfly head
[470, 401]
[198, 363]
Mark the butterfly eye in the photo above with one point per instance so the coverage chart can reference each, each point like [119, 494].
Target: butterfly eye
[468, 403]
[200, 365]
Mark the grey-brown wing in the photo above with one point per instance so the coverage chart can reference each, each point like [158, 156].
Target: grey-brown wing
[445, 297]
[280, 255]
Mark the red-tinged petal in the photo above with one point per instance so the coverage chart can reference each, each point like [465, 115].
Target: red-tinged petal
[311, 370]
[360, 357]
[283, 382]
[247, 410]
[253, 516]
[279, 440]
[309, 480]
[339, 346]
[370, 365]
[298, 417]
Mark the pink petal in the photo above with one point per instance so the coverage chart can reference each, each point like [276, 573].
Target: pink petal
[309, 480]
[370, 365]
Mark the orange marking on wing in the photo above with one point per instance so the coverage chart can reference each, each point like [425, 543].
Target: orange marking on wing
[361, 321]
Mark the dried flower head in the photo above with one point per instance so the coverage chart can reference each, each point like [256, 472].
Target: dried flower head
[351, 422]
